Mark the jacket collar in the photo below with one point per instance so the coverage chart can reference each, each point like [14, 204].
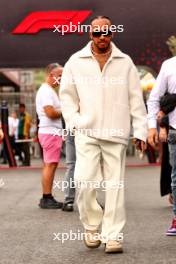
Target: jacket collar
[86, 51]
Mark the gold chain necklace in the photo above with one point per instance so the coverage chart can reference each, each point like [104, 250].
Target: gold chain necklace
[101, 54]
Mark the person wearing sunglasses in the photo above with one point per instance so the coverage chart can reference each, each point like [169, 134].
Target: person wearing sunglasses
[101, 97]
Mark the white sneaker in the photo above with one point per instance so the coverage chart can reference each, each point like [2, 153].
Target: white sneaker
[91, 239]
[113, 246]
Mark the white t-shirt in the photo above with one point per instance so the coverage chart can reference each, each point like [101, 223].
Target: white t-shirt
[47, 96]
[13, 126]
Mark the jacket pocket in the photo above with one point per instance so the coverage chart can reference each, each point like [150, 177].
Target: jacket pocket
[121, 120]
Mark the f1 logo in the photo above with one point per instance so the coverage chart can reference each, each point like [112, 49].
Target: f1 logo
[37, 21]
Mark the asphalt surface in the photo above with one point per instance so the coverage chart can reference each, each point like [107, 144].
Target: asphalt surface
[27, 232]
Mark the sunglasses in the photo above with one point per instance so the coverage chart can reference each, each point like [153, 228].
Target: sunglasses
[98, 34]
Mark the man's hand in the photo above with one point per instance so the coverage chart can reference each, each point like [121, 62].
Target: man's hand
[140, 145]
[1, 134]
[153, 137]
[160, 115]
[163, 134]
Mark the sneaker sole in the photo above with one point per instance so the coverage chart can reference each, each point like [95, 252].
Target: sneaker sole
[170, 234]
[45, 207]
[114, 250]
[67, 210]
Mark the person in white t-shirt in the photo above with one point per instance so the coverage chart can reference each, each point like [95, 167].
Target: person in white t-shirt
[13, 122]
[50, 127]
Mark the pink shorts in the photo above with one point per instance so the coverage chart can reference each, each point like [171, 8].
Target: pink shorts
[51, 146]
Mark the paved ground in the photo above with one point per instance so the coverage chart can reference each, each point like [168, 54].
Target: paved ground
[26, 232]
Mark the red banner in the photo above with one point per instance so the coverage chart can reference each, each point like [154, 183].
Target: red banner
[37, 21]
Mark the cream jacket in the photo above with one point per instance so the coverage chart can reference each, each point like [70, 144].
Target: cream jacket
[104, 104]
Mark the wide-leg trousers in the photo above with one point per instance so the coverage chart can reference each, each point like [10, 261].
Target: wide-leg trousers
[96, 161]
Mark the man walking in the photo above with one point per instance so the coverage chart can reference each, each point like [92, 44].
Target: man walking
[166, 82]
[24, 125]
[100, 94]
[50, 132]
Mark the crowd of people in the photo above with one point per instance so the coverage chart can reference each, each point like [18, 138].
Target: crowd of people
[20, 128]
[98, 116]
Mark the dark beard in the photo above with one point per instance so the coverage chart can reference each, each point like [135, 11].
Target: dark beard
[104, 50]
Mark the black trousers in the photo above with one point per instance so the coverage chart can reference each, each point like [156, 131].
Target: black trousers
[166, 169]
[25, 150]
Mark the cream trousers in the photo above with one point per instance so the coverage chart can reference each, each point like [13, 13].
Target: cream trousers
[91, 153]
